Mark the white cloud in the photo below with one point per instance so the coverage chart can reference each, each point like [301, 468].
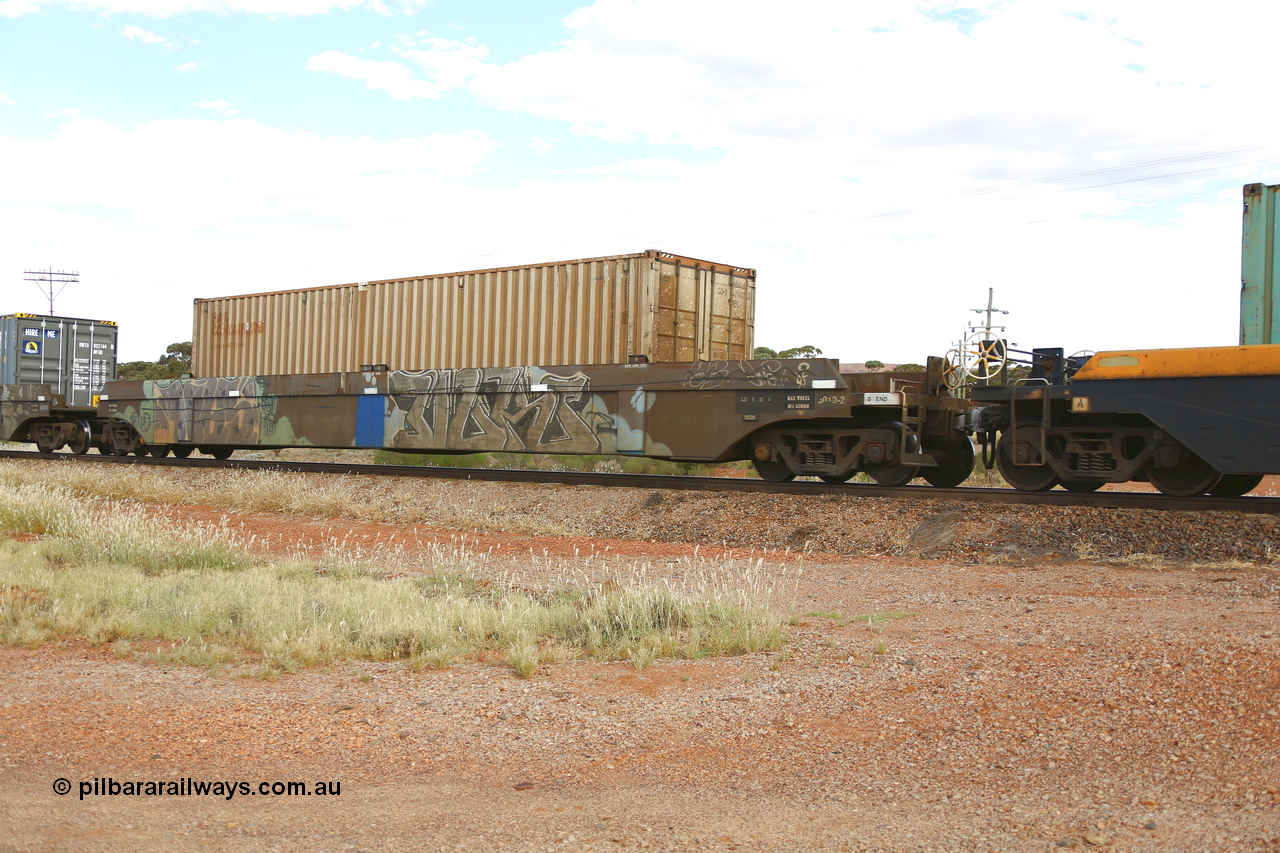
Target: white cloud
[168, 8]
[136, 33]
[669, 169]
[873, 160]
[18, 8]
[264, 209]
[67, 113]
[221, 107]
[200, 207]
[188, 66]
[5, 100]
[1030, 87]
[447, 63]
[379, 76]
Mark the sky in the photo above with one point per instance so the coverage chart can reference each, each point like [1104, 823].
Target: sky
[880, 164]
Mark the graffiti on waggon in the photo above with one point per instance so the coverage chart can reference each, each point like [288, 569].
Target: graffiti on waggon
[499, 408]
[173, 406]
[706, 375]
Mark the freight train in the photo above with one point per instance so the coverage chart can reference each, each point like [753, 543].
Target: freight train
[1189, 421]
[793, 417]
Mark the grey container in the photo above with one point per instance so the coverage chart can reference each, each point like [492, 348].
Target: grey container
[74, 357]
[605, 310]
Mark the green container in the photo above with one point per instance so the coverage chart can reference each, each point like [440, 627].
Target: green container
[1259, 309]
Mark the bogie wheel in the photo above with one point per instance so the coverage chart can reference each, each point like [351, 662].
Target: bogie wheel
[159, 451]
[123, 441]
[892, 475]
[955, 463]
[1082, 486]
[1235, 485]
[1026, 478]
[771, 471]
[44, 445]
[81, 439]
[218, 452]
[181, 451]
[1190, 477]
[836, 479]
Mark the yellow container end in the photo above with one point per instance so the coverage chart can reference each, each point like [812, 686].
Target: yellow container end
[1255, 360]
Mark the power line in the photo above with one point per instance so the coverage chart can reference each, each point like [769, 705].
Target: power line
[47, 280]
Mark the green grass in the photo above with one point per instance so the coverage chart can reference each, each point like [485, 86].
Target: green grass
[833, 615]
[987, 478]
[873, 619]
[106, 572]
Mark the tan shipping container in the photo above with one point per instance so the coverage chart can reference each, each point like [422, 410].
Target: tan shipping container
[591, 311]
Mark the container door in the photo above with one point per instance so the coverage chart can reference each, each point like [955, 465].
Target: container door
[677, 316]
[102, 357]
[689, 301]
[40, 354]
[77, 348]
[726, 331]
[89, 351]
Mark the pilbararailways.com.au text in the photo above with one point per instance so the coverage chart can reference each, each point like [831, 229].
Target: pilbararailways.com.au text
[188, 787]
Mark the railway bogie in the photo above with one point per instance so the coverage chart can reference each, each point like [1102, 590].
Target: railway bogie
[1190, 421]
[36, 414]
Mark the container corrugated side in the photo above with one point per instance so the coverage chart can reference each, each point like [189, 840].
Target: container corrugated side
[589, 311]
[74, 356]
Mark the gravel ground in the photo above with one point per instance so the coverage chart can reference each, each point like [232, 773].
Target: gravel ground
[1044, 692]
[865, 527]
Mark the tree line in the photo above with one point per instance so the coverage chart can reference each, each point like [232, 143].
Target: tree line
[809, 351]
[175, 362]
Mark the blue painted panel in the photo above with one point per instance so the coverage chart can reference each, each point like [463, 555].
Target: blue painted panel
[371, 418]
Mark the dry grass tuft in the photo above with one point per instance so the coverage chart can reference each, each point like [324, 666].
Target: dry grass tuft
[104, 571]
[271, 491]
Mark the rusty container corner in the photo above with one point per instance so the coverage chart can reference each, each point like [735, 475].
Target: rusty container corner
[607, 310]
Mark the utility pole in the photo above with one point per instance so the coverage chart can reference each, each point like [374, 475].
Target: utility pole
[982, 354]
[989, 310]
[47, 280]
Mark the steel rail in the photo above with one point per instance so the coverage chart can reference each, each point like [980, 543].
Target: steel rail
[1107, 500]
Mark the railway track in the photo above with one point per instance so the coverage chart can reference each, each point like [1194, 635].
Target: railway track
[1108, 499]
